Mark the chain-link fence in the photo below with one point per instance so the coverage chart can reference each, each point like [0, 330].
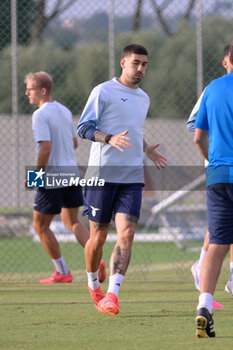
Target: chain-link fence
[79, 44]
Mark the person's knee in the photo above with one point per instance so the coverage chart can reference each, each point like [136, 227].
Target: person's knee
[71, 225]
[35, 224]
[218, 251]
[98, 234]
[39, 226]
[125, 238]
[98, 240]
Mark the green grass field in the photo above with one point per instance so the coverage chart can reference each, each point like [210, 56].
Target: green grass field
[157, 302]
[23, 255]
[157, 314]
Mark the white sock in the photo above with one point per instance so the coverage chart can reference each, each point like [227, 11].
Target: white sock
[115, 283]
[203, 253]
[231, 269]
[205, 300]
[61, 266]
[93, 280]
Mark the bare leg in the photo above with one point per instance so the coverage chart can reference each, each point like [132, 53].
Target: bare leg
[94, 246]
[69, 218]
[211, 267]
[206, 241]
[120, 258]
[231, 253]
[229, 285]
[119, 262]
[41, 224]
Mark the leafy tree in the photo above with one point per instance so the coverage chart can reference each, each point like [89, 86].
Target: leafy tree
[24, 18]
[170, 80]
[42, 18]
[89, 69]
[32, 19]
[74, 72]
[159, 10]
[61, 36]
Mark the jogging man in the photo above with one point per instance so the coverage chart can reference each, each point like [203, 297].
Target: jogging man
[54, 133]
[113, 119]
[213, 138]
[196, 267]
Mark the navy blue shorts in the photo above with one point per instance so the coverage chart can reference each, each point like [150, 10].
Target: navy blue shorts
[51, 201]
[101, 202]
[220, 213]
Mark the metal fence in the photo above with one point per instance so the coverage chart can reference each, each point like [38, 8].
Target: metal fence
[79, 44]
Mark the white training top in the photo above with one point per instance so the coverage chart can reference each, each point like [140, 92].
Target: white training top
[192, 119]
[193, 115]
[115, 108]
[53, 122]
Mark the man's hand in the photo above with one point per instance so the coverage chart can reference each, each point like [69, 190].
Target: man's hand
[120, 140]
[157, 157]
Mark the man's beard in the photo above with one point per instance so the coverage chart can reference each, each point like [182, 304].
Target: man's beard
[136, 80]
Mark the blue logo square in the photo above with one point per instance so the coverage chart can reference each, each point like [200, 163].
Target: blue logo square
[35, 178]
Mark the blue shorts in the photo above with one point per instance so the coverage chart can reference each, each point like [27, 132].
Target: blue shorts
[101, 202]
[51, 201]
[220, 213]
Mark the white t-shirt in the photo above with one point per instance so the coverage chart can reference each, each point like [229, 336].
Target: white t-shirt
[115, 108]
[193, 115]
[192, 119]
[53, 122]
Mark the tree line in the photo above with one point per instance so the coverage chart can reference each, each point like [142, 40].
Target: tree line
[38, 20]
[170, 80]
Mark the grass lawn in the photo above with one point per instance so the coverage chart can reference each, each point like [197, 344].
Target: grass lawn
[157, 302]
[23, 255]
[156, 314]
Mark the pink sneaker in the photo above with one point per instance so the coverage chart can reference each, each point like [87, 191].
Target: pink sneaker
[57, 278]
[102, 272]
[97, 295]
[109, 305]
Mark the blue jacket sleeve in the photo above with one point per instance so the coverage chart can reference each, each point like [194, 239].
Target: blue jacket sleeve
[87, 130]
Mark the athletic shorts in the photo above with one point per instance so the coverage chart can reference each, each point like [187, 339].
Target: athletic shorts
[220, 213]
[101, 202]
[51, 201]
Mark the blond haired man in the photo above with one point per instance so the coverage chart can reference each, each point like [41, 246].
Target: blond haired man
[54, 133]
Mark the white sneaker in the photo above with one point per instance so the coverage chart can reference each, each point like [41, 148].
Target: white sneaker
[196, 275]
[229, 287]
